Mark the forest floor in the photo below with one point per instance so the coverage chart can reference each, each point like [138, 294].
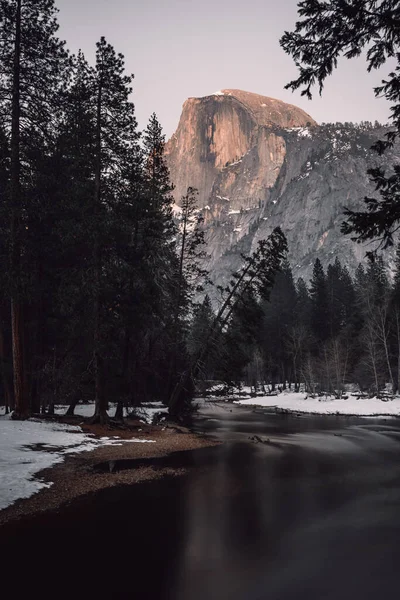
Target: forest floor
[76, 475]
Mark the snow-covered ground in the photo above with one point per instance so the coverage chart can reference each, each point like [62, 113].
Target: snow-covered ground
[81, 410]
[146, 412]
[27, 447]
[301, 403]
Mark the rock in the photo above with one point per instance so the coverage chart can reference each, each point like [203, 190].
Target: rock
[220, 136]
[259, 163]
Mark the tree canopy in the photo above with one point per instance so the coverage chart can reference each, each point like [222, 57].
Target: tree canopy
[325, 32]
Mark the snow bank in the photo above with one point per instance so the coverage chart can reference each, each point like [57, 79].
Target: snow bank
[27, 447]
[298, 402]
[149, 410]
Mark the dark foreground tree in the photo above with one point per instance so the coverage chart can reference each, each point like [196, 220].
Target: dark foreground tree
[32, 63]
[331, 29]
[115, 139]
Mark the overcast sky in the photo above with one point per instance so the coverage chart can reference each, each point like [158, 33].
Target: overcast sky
[182, 48]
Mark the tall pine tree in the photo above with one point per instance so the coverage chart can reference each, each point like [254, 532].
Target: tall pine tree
[33, 62]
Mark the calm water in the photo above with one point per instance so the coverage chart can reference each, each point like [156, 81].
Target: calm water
[313, 513]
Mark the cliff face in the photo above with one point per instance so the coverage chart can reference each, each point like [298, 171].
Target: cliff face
[259, 163]
[220, 138]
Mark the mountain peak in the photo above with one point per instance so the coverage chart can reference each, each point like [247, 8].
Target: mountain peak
[222, 128]
[266, 110]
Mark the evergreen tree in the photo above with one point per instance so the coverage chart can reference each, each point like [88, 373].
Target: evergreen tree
[395, 319]
[115, 139]
[299, 335]
[192, 274]
[241, 339]
[303, 304]
[203, 316]
[316, 45]
[319, 303]
[335, 306]
[167, 328]
[278, 322]
[254, 280]
[373, 298]
[33, 62]
[159, 187]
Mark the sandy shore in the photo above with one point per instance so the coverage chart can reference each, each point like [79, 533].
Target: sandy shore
[76, 477]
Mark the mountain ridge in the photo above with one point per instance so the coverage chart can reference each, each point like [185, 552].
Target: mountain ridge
[254, 174]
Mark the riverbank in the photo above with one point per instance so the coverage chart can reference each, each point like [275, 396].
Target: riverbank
[71, 473]
[353, 405]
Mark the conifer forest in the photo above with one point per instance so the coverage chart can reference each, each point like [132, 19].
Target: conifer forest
[199, 314]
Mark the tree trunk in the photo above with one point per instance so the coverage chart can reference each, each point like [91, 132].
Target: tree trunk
[72, 405]
[21, 408]
[119, 411]
[7, 384]
[398, 349]
[384, 337]
[100, 415]
[101, 404]
[37, 352]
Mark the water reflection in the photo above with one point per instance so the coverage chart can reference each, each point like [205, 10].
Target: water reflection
[313, 513]
[293, 519]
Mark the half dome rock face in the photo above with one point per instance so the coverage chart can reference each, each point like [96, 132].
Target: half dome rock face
[224, 138]
[259, 163]
[270, 112]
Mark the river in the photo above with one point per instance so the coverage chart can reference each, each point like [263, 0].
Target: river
[312, 511]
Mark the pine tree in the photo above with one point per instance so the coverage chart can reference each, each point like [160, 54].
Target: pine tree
[316, 45]
[115, 134]
[159, 187]
[373, 297]
[33, 61]
[333, 284]
[165, 330]
[299, 335]
[74, 167]
[191, 243]
[254, 280]
[278, 323]
[319, 303]
[303, 304]
[242, 338]
[395, 318]
[5, 334]
[203, 316]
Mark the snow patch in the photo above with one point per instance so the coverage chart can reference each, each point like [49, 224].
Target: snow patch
[27, 447]
[148, 411]
[176, 210]
[302, 403]
[303, 132]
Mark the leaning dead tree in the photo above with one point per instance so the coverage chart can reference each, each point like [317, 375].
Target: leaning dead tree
[256, 277]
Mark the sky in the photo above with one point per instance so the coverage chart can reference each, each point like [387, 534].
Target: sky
[191, 48]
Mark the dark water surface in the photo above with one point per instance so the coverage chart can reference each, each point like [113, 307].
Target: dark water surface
[313, 513]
